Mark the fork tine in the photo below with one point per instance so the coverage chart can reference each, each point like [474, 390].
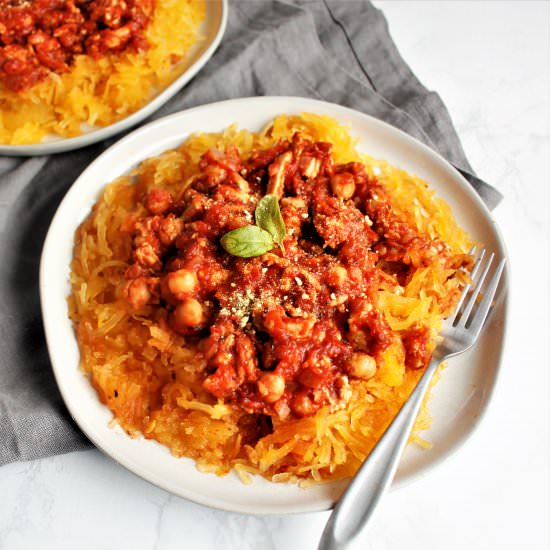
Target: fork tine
[467, 287]
[485, 305]
[475, 292]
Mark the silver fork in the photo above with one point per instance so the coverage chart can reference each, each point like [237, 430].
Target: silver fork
[351, 516]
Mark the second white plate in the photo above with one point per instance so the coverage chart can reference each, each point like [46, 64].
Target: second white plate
[212, 28]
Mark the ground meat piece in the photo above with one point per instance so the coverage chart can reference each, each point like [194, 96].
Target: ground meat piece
[338, 222]
[233, 355]
[368, 329]
[417, 353]
[158, 201]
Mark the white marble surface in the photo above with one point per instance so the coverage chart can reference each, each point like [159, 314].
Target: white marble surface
[490, 61]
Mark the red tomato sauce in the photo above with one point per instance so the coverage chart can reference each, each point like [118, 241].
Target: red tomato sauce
[284, 332]
[41, 36]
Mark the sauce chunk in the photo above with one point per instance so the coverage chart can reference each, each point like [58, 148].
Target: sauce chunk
[284, 333]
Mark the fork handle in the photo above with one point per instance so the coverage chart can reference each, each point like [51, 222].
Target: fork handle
[350, 518]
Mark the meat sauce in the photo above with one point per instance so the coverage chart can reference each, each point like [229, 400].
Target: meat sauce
[40, 36]
[282, 334]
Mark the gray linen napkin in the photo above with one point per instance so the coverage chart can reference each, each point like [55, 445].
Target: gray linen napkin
[335, 50]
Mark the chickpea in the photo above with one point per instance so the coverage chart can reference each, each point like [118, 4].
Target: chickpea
[301, 404]
[182, 283]
[137, 293]
[271, 387]
[343, 185]
[337, 276]
[361, 365]
[189, 313]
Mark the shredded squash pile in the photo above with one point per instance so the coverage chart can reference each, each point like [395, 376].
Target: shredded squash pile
[151, 379]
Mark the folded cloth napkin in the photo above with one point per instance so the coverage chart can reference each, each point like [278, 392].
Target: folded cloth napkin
[326, 49]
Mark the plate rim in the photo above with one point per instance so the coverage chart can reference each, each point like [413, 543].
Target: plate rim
[232, 103]
[84, 140]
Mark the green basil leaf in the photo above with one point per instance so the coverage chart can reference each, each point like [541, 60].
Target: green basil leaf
[269, 218]
[247, 241]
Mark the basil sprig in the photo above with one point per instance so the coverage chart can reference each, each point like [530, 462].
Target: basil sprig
[254, 240]
[269, 218]
[247, 241]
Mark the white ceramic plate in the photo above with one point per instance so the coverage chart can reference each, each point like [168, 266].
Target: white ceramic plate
[459, 399]
[212, 29]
